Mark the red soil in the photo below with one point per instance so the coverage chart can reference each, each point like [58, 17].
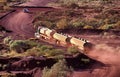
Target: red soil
[38, 3]
[20, 23]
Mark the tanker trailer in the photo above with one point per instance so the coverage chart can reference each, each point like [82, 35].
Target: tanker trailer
[60, 39]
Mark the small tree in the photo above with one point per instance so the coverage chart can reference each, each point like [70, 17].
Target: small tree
[55, 52]
[57, 70]
[34, 52]
[62, 24]
[107, 26]
[78, 24]
[72, 50]
[94, 23]
[21, 45]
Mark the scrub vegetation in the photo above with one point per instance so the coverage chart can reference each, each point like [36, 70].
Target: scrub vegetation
[32, 48]
[27, 56]
[81, 14]
[59, 69]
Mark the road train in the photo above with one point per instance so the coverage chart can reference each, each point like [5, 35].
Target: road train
[63, 39]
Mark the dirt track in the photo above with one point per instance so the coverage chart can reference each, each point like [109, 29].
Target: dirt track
[19, 22]
[21, 25]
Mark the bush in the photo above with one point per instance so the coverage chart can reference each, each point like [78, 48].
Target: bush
[44, 47]
[107, 26]
[31, 43]
[59, 57]
[62, 24]
[44, 50]
[55, 52]
[48, 24]
[44, 23]
[34, 52]
[72, 50]
[78, 24]
[113, 19]
[57, 70]
[21, 45]
[37, 24]
[39, 50]
[95, 23]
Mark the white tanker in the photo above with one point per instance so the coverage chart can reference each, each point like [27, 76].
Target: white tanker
[48, 34]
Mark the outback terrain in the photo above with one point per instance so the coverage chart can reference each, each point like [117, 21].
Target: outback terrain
[23, 55]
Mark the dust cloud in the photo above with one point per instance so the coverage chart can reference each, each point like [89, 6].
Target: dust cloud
[106, 54]
[110, 56]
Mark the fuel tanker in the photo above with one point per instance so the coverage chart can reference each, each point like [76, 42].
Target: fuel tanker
[63, 39]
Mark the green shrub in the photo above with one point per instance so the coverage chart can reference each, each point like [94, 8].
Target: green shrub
[44, 50]
[22, 45]
[39, 50]
[113, 19]
[62, 24]
[37, 24]
[31, 43]
[34, 52]
[55, 52]
[72, 50]
[46, 47]
[78, 24]
[39, 15]
[94, 23]
[57, 70]
[107, 26]
[48, 24]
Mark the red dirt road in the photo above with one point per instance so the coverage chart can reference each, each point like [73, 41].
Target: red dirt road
[20, 23]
